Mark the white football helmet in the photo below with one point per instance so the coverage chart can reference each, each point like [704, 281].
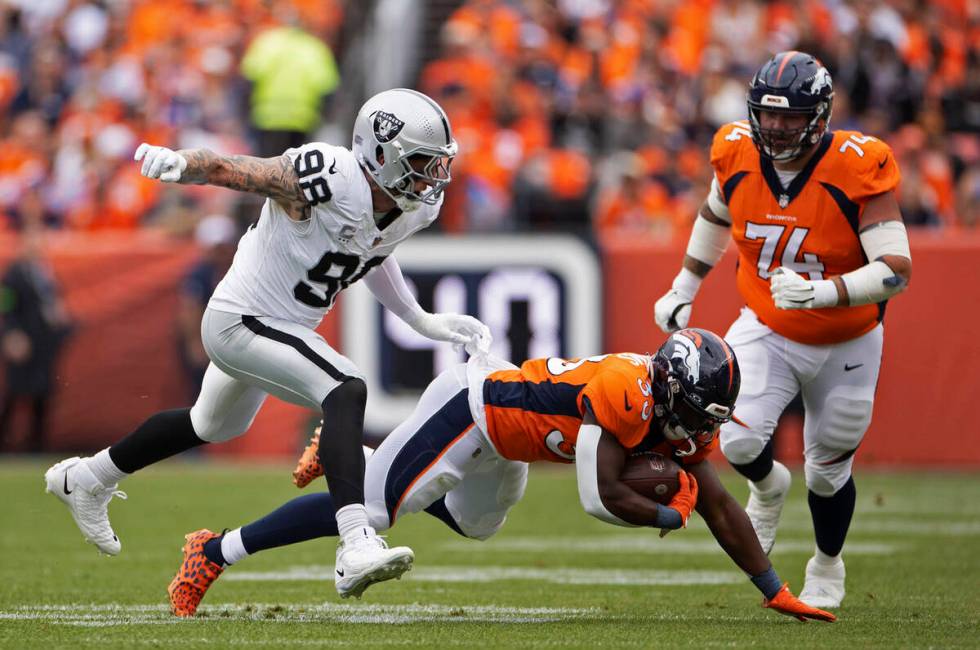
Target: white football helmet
[395, 126]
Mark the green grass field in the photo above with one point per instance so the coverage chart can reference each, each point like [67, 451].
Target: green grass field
[553, 577]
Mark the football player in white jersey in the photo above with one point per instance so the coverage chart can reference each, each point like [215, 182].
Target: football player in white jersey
[332, 216]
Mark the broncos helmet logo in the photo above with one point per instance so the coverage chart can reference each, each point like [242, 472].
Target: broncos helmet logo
[820, 81]
[686, 349]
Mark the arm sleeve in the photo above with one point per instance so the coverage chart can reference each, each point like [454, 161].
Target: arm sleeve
[717, 202]
[388, 285]
[587, 474]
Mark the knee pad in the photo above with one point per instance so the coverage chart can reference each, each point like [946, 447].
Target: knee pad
[210, 429]
[742, 451]
[743, 444]
[431, 490]
[826, 480]
[483, 528]
[512, 486]
[843, 422]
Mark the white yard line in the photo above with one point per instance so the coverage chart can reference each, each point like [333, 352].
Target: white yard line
[471, 574]
[115, 615]
[677, 544]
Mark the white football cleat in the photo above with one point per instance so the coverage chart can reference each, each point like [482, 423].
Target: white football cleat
[88, 501]
[764, 508]
[824, 586]
[366, 560]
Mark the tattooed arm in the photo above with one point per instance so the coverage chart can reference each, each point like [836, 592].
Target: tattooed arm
[271, 177]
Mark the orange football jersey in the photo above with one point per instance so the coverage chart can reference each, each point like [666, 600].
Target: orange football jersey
[810, 227]
[534, 412]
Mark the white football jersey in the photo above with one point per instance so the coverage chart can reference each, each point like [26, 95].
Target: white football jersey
[294, 270]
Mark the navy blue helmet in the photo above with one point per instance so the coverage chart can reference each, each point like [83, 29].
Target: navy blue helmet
[794, 83]
[695, 382]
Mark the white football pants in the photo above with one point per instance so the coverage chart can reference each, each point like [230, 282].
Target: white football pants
[439, 451]
[837, 383]
[253, 357]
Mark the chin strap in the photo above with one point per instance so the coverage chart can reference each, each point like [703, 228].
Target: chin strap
[692, 448]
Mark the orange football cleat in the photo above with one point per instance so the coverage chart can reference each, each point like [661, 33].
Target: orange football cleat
[786, 603]
[309, 467]
[194, 576]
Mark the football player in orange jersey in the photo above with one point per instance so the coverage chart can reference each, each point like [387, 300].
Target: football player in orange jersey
[462, 456]
[821, 248]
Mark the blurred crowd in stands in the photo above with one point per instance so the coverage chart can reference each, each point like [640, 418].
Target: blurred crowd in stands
[576, 115]
[83, 82]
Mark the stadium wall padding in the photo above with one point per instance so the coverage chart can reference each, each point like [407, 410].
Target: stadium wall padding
[121, 365]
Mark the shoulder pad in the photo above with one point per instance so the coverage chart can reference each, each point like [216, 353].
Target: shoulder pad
[325, 171]
[728, 149]
[861, 165]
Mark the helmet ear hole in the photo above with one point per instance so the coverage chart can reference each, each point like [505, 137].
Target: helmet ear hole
[379, 155]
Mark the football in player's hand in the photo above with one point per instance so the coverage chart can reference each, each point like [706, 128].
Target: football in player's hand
[651, 474]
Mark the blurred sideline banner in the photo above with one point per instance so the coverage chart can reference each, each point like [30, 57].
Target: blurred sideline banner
[541, 295]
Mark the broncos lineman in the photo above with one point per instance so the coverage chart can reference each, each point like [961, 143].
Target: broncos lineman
[332, 216]
[821, 248]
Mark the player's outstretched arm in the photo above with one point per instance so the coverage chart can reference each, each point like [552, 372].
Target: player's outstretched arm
[387, 284]
[271, 177]
[599, 461]
[731, 527]
[727, 520]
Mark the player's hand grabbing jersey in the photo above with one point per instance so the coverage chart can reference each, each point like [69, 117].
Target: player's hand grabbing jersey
[810, 227]
[294, 270]
[534, 412]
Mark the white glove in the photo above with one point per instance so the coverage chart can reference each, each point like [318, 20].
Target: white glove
[791, 291]
[458, 329]
[673, 311]
[160, 162]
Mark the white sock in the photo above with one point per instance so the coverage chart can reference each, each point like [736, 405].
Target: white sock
[352, 521]
[232, 547]
[104, 469]
[826, 560]
[771, 481]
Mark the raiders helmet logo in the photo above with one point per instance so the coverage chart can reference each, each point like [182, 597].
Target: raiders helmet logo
[386, 126]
